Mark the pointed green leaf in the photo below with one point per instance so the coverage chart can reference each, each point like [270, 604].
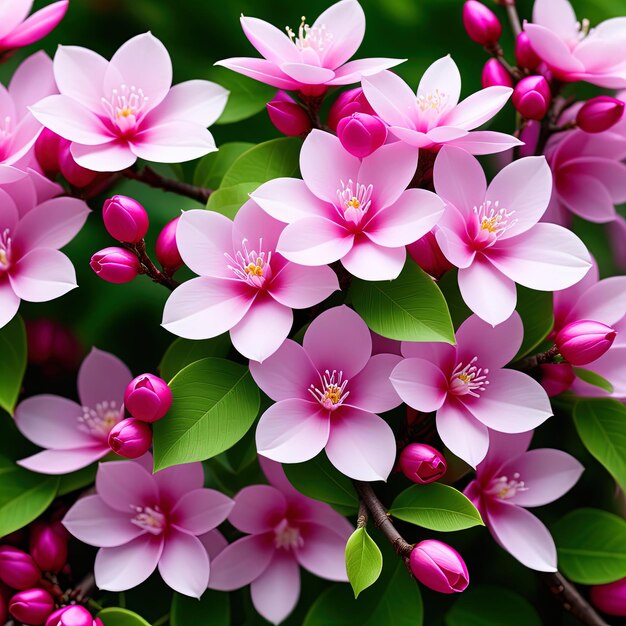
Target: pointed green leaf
[228, 200]
[364, 561]
[121, 617]
[183, 352]
[211, 168]
[12, 363]
[594, 379]
[437, 507]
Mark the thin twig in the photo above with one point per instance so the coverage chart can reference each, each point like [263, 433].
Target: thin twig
[361, 520]
[543, 358]
[511, 11]
[148, 176]
[149, 268]
[572, 601]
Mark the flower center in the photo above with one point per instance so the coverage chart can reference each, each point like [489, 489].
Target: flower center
[332, 390]
[150, 519]
[250, 266]
[504, 487]
[354, 201]
[432, 101]
[99, 420]
[287, 537]
[316, 38]
[491, 223]
[125, 106]
[468, 379]
[5, 251]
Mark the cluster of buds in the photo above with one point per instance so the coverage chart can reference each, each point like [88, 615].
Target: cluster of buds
[147, 398]
[27, 591]
[127, 220]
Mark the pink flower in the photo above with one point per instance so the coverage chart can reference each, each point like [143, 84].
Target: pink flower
[284, 531]
[356, 210]
[31, 266]
[75, 435]
[32, 81]
[491, 233]
[327, 394]
[18, 30]
[244, 285]
[589, 177]
[141, 520]
[314, 57]
[574, 52]
[509, 480]
[115, 112]
[468, 387]
[434, 116]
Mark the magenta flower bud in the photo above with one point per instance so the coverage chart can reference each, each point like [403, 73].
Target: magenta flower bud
[556, 378]
[428, 255]
[584, 341]
[115, 265]
[130, 438]
[125, 219]
[148, 398]
[525, 56]
[167, 252]
[48, 546]
[288, 116]
[611, 597]
[73, 173]
[71, 616]
[532, 97]
[439, 567]
[361, 134]
[347, 103]
[32, 607]
[4, 606]
[422, 463]
[494, 75]
[599, 114]
[481, 23]
[17, 568]
[47, 149]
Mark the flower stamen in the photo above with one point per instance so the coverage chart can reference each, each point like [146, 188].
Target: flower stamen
[332, 392]
[250, 266]
[468, 379]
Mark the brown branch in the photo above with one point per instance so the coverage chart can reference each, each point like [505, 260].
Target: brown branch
[572, 601]
[543, 358]
[382, 521]
[511, 11]
[361, 520]
[149, 268]
[149, 177]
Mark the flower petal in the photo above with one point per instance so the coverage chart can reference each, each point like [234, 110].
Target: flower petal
[102, 378]
[485, 142]
[354, 71]
[201, 510]
[9, 303]
[55, 462]
[443, 75]
[585, 196]
[176, 481]
[459, 179]
[37, 26]
[345, 21]
[604, 302]
[184, 564]
[391, 98]
[421, 384]
[114, 156]
[270, 42]
[552, 49]
[369, 261]
[125, 485]
[323, 552]
[478, 108]
[32, 81]
[300, 287]
[258, 509]
[307, 74]
[261, 70]
[371, 389]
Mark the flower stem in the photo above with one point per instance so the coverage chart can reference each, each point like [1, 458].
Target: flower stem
[543, 358]
[511, 11]
[152, 178]
[162, 620]
[149, 268]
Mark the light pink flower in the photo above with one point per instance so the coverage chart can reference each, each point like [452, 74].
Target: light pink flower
[75, 435]
[141, 520]
[284, 531]
[572, 50]
[469, 388]
[434, 116]
[311, 58]
[589, 177]
[356, 210]
[512, 478]
[244, 285]
[491, 233]
[32, 81]
[18, 30]
[327, 394]
[31, 266]
[115, 112]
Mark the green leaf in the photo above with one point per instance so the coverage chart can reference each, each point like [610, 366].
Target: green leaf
[121, 617]
[228, 200]
[594, 379]
[409, 308]
[211, 168]
[12, 363]
[213, 609]
[591, 545]
[247, 97]
[492, 606]
[24, 495]
[183, 352]
[535, 309]
[601, 424]
[364, 561]
[266, 161]
[215, 403]
[77, 480]
[395, 600]
[437, 507]
[319, 480]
